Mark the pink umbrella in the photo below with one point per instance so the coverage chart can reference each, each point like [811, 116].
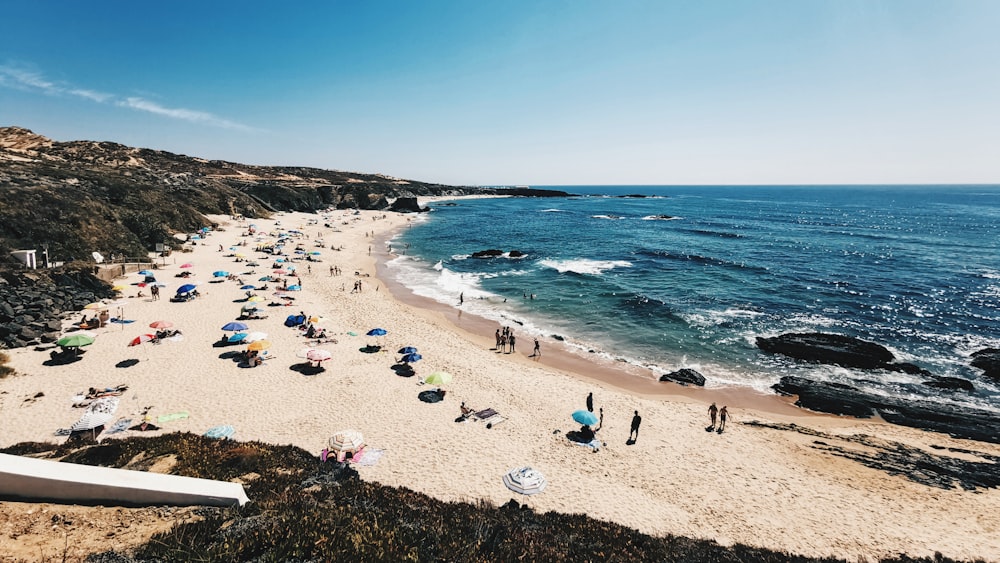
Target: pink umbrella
[187, 265]
[161, 324]
[318, 355]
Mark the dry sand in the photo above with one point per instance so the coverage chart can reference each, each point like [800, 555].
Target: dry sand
[753, 485]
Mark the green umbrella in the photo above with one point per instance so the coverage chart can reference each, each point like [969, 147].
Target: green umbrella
[75, 340]
[438, 378]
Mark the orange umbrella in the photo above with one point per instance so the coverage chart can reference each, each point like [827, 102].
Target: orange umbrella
[259, 345]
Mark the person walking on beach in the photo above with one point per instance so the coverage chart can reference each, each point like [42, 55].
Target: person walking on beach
[634, 434]
[712, 412]
[723, 416]
[461, 298]
[511, 341]
[537, 352]
[498, 339]
[590, 402]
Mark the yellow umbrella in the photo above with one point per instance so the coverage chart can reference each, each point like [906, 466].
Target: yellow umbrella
[96, 306]
[118, 288]
[256, 299]
[259, 345]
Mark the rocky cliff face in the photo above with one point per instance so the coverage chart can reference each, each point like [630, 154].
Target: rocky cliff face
[82, 196]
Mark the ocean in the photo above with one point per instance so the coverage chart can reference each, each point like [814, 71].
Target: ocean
[689, 276]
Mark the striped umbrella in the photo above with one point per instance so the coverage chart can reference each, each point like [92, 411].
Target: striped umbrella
[99, 413]
[347, 441]
[525, 480]
[140, 339]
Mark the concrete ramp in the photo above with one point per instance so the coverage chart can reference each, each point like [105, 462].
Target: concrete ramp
[39, 480]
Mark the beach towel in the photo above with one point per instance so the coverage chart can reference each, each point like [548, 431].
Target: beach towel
[368, 457]
[221, 432]
[120, 426]
[352, 333]
[172, 416]
[594, 444]
[122, 321]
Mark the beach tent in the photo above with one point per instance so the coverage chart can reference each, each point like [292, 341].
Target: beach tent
[525, 480]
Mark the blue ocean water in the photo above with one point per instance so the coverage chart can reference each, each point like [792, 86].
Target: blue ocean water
[688, 276]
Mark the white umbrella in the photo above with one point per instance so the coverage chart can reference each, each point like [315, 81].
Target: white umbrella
[255, 336]
[524, 480]
[318, 355]
[99, 413]
[347, 441]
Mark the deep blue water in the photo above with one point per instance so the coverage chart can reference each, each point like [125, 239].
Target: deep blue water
[915, 268]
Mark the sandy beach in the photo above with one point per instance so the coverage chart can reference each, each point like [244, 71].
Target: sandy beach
[757, 484]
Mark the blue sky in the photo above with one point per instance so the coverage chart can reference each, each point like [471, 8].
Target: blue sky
[519, 92]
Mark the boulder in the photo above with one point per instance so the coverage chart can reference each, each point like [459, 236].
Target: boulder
[988, 360]
[906, 367]
[823, 396]
[516, 254]
[950, 384]
[491, 253]
[823, 348]
[684, 376]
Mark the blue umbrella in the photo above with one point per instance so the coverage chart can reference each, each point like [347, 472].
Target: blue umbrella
[280, 260]
[186, 288]
[377, 332]
[295, 287]
[146, 273]
[407, 350]
[220, 274]
[248, 286]
[585, 417]
[291, 267]
[235, 326]
[239, 336]
[410, 358]
[264, 279]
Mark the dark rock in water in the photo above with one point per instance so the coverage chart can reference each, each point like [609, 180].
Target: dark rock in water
[906, 367]
[684, 377]
[824, 348]
[557, 337]
[836, 398]
[828, 397]
[491, 253]
[988, 360]
[950, 384]
[516, 254]
[406, 205]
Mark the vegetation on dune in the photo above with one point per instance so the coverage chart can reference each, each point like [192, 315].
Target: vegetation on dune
[5, 370]
[304, 510]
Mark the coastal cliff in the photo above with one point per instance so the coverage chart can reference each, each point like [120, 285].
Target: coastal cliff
[74, 198]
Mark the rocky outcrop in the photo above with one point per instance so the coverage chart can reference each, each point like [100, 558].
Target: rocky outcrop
[950, 384]
[32, 305]
[406, 205]
[824, 348]
[836, 398]
[988, 360]
[491, 253]
[684, 376]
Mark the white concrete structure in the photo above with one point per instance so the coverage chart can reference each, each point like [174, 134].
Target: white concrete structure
[39, 480]
[27, 257]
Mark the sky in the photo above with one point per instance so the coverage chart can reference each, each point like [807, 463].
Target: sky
[518, 92]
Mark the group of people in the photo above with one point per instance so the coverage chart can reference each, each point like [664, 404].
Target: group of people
[723, 416]
[505, 339]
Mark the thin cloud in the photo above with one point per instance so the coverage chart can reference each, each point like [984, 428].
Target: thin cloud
[30, 81]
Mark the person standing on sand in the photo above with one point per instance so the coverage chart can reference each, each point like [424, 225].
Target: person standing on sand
[590, 402]
[511, 340]
[537, 352]
[712, 412]
[498, 339]
[723, 416]
[461, 298]
[636, 421]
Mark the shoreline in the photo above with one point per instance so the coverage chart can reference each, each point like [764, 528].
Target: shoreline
[763, 482]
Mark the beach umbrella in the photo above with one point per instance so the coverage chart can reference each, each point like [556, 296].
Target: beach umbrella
[259, 345]
[264, 278]
[75, 340]
[238, 337]
[290, 267]
[120, 287]
[234, 326]
[145, 273]
[187, 265]
[248, 286]
[93, 306]
[438, 378]
[294, 287]
[256, 299]
[186, 288]
[377, 332]
[254, 336]
[161, 324]
[318, 355]
[347, 441]
[140, 339]
[407, 350]
[99, 413]
[525, 480]
[585, 417]
[280, 272]
[410, 358]
[315, 253]
[220, 273]
[316, 319]
[279, 260]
